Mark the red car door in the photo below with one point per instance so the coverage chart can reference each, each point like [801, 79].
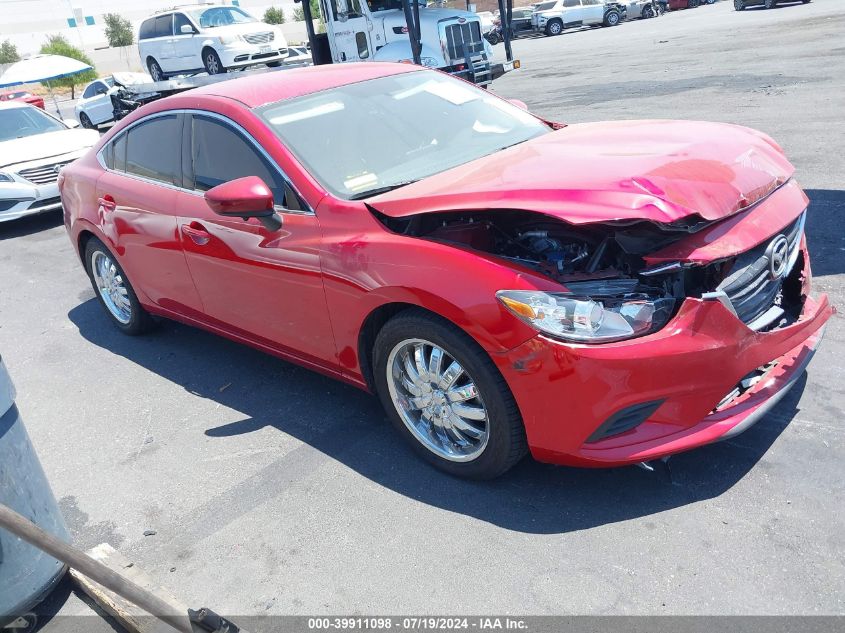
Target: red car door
[263, 285]
[137, 205]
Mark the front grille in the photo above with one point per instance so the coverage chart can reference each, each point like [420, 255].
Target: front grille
[43, 175]
[463, 39]
[260, 38]
[749, 286]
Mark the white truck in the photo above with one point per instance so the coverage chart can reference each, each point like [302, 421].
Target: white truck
[378, 30]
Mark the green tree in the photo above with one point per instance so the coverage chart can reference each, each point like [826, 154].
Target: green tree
[274, 15]
[8, 53]
[299, 14]
[118, 30]
[58, 45]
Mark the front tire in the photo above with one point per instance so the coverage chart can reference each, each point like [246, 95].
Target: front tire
[612, 18]
[445, 396]
[212, 63]
[554, 27]
[648, 12]
[113, 290]
[769, 4]
[85, 121]
[739, 5]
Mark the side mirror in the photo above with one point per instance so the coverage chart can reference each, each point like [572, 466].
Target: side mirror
[186, 29]
[71, 123]
[519, 104]
[245, 198]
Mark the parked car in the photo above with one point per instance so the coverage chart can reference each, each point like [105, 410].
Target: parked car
[210, 38]
[34, 146]
[95, 106]
[741, 5]
[642, 9]
[520, 25]
[674, 5]
[23, 95]
[566, 14]
[643, 290]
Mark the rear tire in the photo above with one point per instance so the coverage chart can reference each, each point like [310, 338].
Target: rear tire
[155, 70]
[769, 4]
[554, 27]
[113, 290]
[648, 12]
[739, 5]
[500, 444]
[274, 64]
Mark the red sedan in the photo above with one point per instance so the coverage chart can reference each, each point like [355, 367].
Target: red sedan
[597, 294]
[23, 95]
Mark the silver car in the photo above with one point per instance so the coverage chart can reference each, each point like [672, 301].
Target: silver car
[34, 146]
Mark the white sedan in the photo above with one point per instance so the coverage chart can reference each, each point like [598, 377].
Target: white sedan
[94, 107]
[34, 146]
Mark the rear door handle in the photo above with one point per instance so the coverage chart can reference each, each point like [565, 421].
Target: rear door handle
[197, 233]
[107, 202]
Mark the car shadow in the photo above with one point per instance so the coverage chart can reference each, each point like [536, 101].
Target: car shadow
[30, 224]
[350, 427]
[825, 237]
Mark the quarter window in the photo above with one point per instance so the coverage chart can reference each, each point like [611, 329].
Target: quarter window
[211, 140]
[148, 29]
[153, 150]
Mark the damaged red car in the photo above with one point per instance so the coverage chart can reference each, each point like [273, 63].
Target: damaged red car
[597, 294]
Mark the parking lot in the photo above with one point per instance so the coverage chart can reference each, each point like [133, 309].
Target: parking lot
[274, 490]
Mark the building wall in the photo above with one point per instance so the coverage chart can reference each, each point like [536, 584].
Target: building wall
[27, 23]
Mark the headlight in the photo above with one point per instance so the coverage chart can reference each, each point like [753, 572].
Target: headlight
[588, 319]
[4, 177]
[429, 62]
[229, 39]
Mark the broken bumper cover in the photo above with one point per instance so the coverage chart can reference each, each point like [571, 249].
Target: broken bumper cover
[567, 392]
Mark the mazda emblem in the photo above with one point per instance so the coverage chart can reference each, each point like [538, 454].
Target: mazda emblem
[778, 254]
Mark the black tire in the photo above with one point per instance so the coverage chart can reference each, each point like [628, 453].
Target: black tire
[648, 12]
[85, 122]
[274, 64]
[692, 4]
[612, 18]
[140, 320]
[156, 72]
[212, 63]
[506, 443]
[769, 4]
[554, 27]
[739, 5]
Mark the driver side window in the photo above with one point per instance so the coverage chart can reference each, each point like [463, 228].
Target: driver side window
[211, 139]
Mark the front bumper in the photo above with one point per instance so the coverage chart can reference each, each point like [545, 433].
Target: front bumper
[567, 392]
[248, 54]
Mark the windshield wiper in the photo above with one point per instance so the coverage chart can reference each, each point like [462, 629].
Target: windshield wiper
[374, 192]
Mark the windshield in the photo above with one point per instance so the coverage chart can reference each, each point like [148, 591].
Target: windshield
[221, 16]
[375, 135]
[21, 122]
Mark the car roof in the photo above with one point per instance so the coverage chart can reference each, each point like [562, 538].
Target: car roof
[289, 83]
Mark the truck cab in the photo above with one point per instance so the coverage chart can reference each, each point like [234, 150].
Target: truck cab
[377, 30]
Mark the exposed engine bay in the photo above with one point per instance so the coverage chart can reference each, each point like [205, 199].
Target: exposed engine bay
[601, 260]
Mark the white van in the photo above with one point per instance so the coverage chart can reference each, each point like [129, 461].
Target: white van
[210, 38]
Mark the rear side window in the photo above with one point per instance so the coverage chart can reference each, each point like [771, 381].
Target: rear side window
[211, 140]
[90, 91]
[153, 150]
[164, 26]
[148, 29]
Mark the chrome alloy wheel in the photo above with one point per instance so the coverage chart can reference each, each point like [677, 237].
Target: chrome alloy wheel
[112, 288]
[437, 400]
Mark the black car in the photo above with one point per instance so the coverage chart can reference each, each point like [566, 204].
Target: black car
[520, 24]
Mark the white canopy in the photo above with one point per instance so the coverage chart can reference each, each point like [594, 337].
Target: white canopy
[41, 68]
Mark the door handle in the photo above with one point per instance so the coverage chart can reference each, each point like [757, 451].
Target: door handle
[197, 233]
[107, 202]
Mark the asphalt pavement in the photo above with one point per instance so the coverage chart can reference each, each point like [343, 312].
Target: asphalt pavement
[274, 490]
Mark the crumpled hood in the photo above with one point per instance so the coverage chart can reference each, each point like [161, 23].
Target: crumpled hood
[29, 148]
[661, 171]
